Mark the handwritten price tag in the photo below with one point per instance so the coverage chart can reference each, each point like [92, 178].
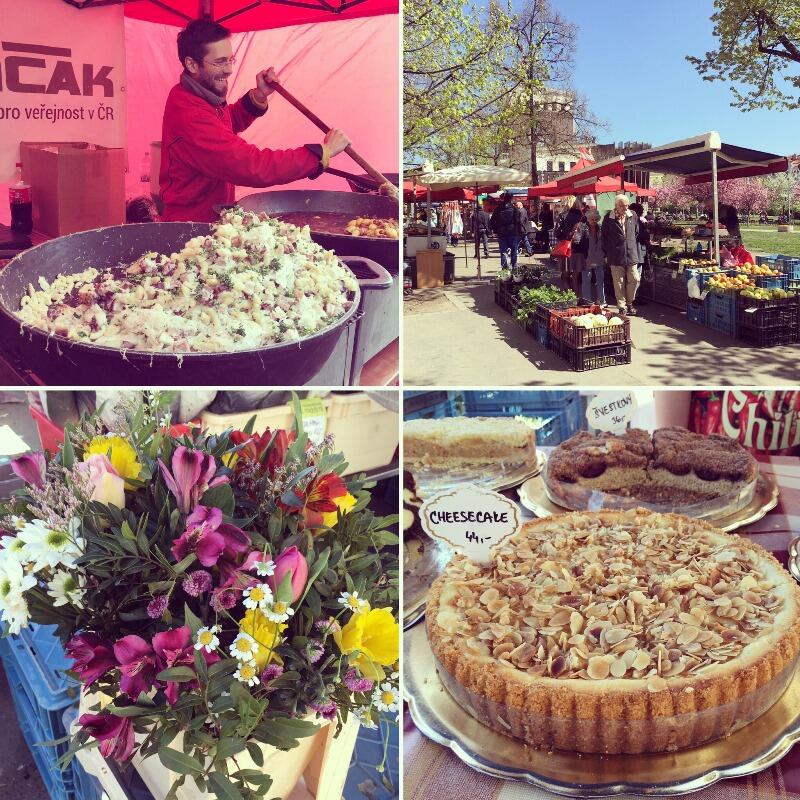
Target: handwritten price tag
[611, 411]
[471, 520]
[313, 418]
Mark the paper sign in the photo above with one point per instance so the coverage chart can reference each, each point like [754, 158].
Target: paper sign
[611, 411]
[314, 424]
[471, 520]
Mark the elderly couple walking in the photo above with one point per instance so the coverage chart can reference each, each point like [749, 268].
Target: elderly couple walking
[620, 241]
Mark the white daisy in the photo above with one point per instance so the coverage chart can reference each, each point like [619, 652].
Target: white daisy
[259, 596]
[244, 648]
[67, 587]
[247, 674]
[279, 611]
[48, 548]
[264, 569]
[350, 600]
[385, 698]
[16, 548]
[207, 639]
[366, 716]
[14, 582]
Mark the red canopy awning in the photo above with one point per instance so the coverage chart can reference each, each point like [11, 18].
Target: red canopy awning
[254, 15]
[419, 194]
[587, 186]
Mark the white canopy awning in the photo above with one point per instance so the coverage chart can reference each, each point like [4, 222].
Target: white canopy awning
[478, 175]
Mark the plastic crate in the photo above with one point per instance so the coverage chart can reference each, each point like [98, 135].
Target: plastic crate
[428, 405]
[768, 281]
[557, 429]
[696, 311]
[721, 312]
[703, 278]
[59, 784]
[769, 337]
[669, 288]
[768, 259]
[579, 337]
[364, 782]
[557, 316]
[753, 313]
[541, 331]
[609, 355]
[790, 267]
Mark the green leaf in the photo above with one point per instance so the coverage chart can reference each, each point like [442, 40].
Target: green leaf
[127, 531]
[184, 564]
[256, 753]
[129, 711]
[191, 619]
[179, 762]
[230, 747]
[177, 674]
[248, 428]
[224, 667]
[67, 453]
[284, 591]
[200, 666]
[223, 787]
[220, 497]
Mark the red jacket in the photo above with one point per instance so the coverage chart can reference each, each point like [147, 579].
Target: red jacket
[202, 158]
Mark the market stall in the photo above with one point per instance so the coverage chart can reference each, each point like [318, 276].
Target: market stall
[457, 731]
[367, 34]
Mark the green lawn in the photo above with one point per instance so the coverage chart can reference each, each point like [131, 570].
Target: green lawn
[765, 239]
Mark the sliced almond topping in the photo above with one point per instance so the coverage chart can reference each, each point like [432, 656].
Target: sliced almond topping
[618, 668]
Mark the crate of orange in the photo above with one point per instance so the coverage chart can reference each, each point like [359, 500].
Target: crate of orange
[730, 284]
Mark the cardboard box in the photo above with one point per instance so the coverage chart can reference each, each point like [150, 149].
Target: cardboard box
[430, 269]
[77, 186]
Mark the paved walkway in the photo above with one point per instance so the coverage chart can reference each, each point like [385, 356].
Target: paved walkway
[458, 336]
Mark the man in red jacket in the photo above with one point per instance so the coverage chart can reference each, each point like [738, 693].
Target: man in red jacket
[202, 158]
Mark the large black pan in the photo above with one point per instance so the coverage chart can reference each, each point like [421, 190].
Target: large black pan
[385, 251]
[60, 361]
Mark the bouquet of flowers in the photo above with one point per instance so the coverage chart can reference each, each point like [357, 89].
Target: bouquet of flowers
[216, 593]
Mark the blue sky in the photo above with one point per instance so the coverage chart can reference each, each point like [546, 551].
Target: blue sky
[630, 64]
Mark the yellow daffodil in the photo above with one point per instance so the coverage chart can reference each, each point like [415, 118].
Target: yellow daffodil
[375, 636]
[345, 503]
[120, 453]
[266, 633]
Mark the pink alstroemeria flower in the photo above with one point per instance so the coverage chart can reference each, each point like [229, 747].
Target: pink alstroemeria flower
[174, 648]
[30, 468]
[210, 538]
[93, 657]
[192, 474]
[115, 734]
[137, 663]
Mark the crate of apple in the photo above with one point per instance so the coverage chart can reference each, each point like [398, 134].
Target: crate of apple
[730, 283]
[768, 294]
[759, 269]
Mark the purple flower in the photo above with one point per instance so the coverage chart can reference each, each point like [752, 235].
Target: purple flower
[357, 684]
[174, 648]
[192, 474]
[223, 599]
[30, 468]
[210, 538]
[115, 734]
[329, 625]
[157, 606]
[137, 663]
[197, 582]
[325, 710]
[93, 657]
[315, 651]
[271, 672]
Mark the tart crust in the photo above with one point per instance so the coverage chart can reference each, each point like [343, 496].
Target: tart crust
[621, 715]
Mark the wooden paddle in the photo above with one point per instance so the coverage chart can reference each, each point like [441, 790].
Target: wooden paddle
[380, 179]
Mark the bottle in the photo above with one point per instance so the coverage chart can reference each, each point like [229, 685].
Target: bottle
[144, 174]
[20, 197]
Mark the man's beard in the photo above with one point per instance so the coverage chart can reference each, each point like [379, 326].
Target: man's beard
[209, 82]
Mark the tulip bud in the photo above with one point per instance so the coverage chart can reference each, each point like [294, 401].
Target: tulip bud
[291, 561]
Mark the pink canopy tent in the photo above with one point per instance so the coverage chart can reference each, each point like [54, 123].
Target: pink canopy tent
[345, 72]
[254, 15]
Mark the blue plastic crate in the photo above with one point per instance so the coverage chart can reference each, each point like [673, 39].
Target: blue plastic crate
[769, 281]
[721, 312]
[542, 332]
[790, 267]
[428, 405]
[364, 782]
[696, 311]
[557, 429]
[769, 258]
[59, 784]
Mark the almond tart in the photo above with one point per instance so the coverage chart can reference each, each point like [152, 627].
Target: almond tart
[616, 632]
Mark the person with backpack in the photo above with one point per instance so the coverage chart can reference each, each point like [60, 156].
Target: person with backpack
[621, 244]
[524, 226]
[505, 224]
[572, 228]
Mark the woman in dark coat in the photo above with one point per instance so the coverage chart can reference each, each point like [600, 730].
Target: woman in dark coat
[573, 227]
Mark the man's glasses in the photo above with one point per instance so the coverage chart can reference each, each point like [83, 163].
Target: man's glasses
[223, 62]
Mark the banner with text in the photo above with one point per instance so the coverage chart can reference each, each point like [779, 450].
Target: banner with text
[62, 76]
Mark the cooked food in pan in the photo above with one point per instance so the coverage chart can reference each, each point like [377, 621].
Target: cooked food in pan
[342, 224]
[253, 282]
[374, 226]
